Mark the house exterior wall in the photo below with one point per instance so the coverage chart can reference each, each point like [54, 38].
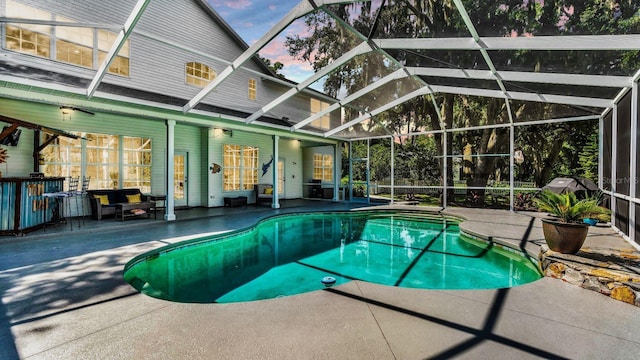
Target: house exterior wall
[186, 139]
[288, 150]
[168, 35]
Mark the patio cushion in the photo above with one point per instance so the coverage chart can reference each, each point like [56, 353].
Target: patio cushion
[104, 199]
[133, 198]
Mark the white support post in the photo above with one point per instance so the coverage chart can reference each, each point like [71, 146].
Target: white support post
[614, 159]
[170, 202]
[511, 166]
[444, 169]
[350, 171]
[368, 171]
[392, 162]
[633, 166]
[601, 152]
[274, 168]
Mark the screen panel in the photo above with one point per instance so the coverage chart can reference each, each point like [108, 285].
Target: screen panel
[622, 215]
[623, 142]
[607, 151]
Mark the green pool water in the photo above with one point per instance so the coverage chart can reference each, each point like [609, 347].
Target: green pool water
[291, 254]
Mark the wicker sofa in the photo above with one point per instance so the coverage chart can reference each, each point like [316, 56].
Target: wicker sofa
[101, 206]
[264, 193]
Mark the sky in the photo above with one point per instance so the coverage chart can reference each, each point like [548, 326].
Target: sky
[253, 18]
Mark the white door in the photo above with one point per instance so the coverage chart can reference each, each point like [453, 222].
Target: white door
[180, 180]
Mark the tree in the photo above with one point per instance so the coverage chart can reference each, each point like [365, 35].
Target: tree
[548, 151]
[275, 67]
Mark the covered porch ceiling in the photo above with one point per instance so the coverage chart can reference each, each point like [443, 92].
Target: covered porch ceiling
[472, 55]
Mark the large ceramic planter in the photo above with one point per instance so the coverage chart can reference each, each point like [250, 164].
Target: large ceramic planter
[565, 238]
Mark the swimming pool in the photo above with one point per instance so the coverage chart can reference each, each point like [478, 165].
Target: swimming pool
[291, 254]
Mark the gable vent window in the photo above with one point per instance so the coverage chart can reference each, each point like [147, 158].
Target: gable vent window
[199, 74]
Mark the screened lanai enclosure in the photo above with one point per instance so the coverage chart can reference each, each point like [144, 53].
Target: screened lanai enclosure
[471, 103]
[458, 102]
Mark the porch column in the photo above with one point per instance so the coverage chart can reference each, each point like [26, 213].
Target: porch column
[169, 214]
[274, 167]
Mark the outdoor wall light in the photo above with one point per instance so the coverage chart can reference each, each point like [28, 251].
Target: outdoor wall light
[66, 113]
[218, 132]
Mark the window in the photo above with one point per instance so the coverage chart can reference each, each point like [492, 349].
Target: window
[27, 38]
[136, 162]
[199, 74]
[253, 90]
[323, 167]
[250, 169]
[63, 157]
[120, 63]
[73, 45]
[99, 157]
[102, 160]
[324, 121]
[240, 167]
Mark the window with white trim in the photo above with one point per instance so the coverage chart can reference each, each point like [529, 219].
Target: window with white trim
[70, 44]
[27, 38]
[199, 74]
[120, 63]
[240, 167]
[324, 121]
[136, 162]
[100, 158]
[74, 45]
[253, 89]
[323, 167]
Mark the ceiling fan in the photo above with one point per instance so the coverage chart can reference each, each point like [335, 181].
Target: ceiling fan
[76, 109]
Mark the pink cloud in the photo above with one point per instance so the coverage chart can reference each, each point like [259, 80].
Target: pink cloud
[277, 52]
[272, 7]
[238, 4]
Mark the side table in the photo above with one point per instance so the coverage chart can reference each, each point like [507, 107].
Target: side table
[155, 199]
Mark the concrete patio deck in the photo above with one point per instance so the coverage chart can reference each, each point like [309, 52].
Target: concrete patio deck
[63, 297]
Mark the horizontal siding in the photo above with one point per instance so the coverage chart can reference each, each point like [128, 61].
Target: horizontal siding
[20, 161]
[159, 67]
[308, 160]
[187, 139]
[188, 23]
[112, 11]
[288, 149]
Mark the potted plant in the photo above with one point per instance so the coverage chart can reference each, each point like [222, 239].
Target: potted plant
[565, 232]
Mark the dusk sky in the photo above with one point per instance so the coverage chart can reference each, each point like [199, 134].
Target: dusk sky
[253, 18]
